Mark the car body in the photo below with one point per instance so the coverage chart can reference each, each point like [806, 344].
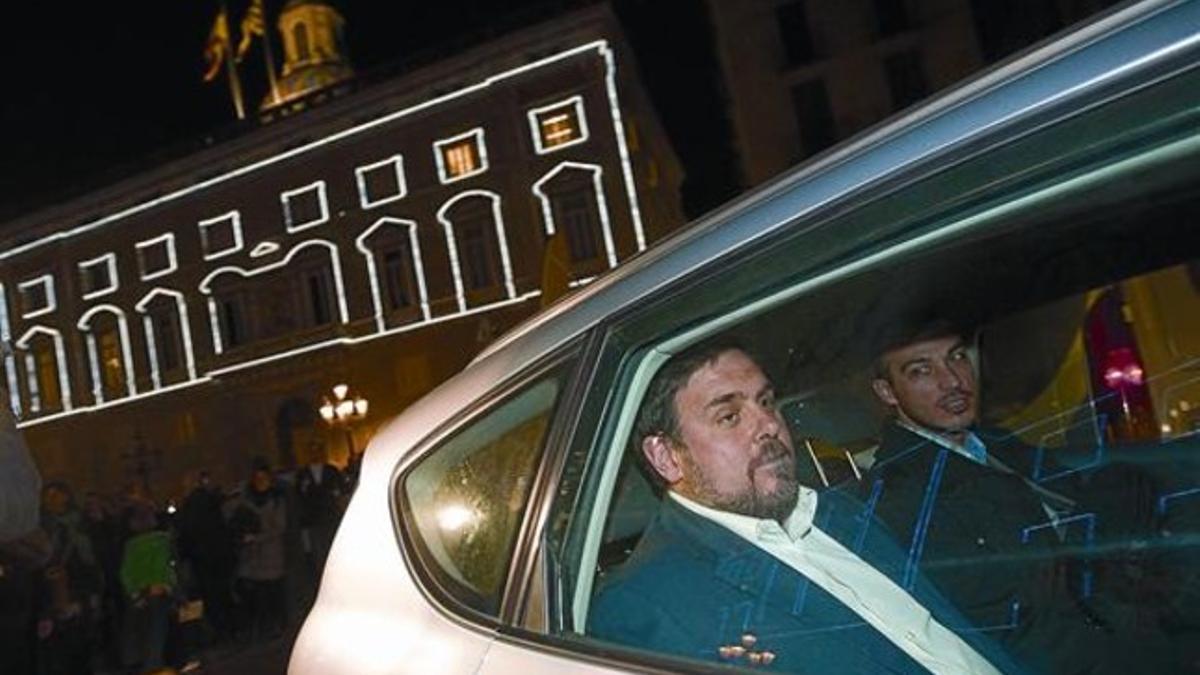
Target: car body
[1091, 130]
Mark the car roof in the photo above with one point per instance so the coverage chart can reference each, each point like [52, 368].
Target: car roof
[1116, 49]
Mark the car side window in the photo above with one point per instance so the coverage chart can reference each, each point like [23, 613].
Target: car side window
[464, 501]
[1072, 308]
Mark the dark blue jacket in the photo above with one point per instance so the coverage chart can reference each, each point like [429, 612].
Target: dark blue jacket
[692, 586]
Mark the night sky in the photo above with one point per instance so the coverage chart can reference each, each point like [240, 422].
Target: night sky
[97, 91]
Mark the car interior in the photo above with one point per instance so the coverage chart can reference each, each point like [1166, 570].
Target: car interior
[1049, 299]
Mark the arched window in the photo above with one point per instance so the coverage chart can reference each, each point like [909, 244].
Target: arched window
[110, 365]
[40, 353]
[478, 248]
[395, 271]
[168, 337]
[573, 207]
[293, 297]
[300, 39]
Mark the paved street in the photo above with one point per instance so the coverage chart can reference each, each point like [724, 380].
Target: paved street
[264, 659]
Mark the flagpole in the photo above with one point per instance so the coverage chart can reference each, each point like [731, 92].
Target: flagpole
[235, 85]
[269, 57]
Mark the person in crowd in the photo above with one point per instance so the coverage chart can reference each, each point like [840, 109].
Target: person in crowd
[207, 543]
[104, 534]
[745, 565]
[24, 548]
[149, 581]
[260, 520]
[321, 494]
[71, 586]
[963, 500]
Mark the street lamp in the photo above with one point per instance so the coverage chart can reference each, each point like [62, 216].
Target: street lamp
[344, 410]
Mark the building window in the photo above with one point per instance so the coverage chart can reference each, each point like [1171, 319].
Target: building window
[892, 17]
[393, 256]
[906, 78]
[164, 324]
[461, 156]
[37, 296]
[300, 38]
[232, 319]
[305, 207]
[156, 256]
[222, 235]
[98, 276]
[475, 250]
[398, 277]
[41, 369]
[381, 182]
[319, 298]
[558, 125]
[798, 46]
[111, 367]
[814, 117]
[575, 213]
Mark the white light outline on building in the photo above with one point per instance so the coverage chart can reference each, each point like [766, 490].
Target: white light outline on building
[235, 219]
[414, 248]
[481, 150]
[610, 82]
[46, 280]
[10, 361]
[499, 304]
[264, 248]
[206, 284]
[185, 330]
[360, 177]
[85, 326]
[172, 261]
[253, 363]
[285, 203]
[535, 125]
[60, 365]
[109, 259]
[600, 46]
[597, 172]
[452, 248]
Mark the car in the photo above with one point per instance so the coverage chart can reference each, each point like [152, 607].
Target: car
[1050, 203]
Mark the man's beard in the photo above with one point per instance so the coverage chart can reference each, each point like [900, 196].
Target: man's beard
[777, 504]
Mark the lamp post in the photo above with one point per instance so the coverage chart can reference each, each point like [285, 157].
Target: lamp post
[344, 410]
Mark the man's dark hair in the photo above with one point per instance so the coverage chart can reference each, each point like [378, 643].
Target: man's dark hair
[899, 335]
[658, 414]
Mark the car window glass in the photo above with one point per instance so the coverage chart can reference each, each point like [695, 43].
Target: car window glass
[465, 500]
[1077, 307]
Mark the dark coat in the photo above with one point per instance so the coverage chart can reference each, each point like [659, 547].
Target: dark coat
[692, 586]
[983, 536]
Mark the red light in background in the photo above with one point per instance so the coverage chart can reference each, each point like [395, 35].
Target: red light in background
[1121, 369]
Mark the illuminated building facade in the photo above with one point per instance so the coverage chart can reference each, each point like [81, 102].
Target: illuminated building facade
[380, 239]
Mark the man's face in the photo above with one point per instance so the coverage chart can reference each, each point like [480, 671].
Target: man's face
[55, 501]
[931, 384]
[260, 481]
[734, 451]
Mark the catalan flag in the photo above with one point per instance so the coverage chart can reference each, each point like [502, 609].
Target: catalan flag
[216, 49]
[252, 24]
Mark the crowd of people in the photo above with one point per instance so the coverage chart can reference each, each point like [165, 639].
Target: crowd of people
[128, 584]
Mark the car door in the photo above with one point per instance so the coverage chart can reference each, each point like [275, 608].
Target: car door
[1023, 235]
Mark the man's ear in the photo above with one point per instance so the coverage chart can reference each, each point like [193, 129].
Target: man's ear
[883, 390]
[660, 454]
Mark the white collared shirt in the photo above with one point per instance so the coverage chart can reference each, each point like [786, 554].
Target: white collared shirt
[852, 581]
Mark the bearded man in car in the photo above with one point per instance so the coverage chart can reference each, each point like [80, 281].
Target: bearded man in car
[745, 565]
